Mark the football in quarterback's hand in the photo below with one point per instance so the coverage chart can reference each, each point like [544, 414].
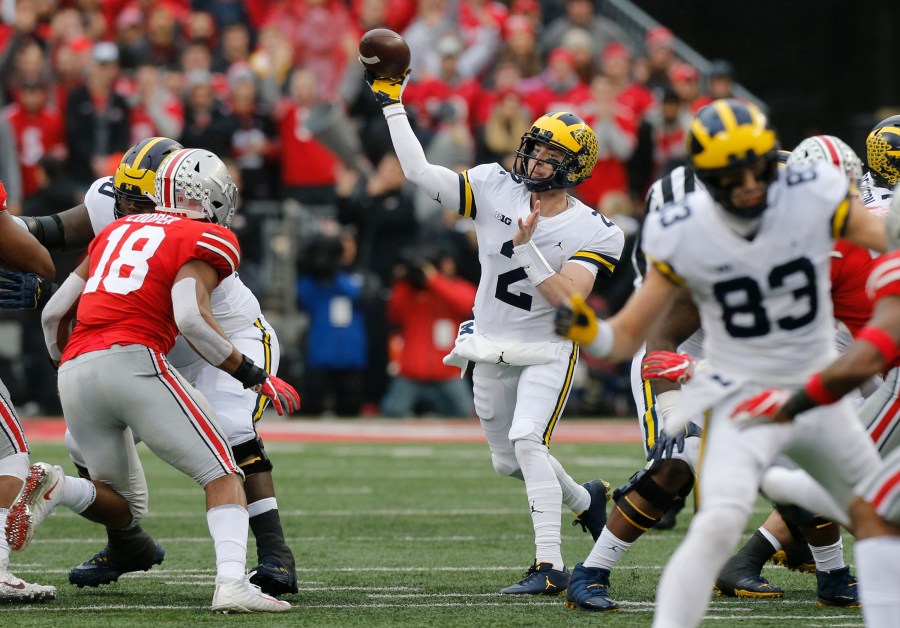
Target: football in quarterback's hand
[384, 53]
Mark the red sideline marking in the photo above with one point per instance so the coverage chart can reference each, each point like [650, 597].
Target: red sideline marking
[48, 430]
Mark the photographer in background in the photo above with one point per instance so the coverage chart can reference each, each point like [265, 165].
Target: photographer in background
[428, 302]
[336, 339]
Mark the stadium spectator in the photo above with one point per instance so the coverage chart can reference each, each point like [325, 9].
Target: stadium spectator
[155, 111]
[660, 58]
[235, 48]
[509, 118]
[582, 14]
[562, 89]
[520, 46]
[164, 35]
[38, 129]
[207, 122]
[685, 80]
[254, 144]
[428, 302]
[432, 21]
[615, 63]
[719, 84]
[307, 167]
[131, 38]
[272, 60]
[97, 127]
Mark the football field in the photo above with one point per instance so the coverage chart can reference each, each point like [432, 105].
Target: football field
[385, 534]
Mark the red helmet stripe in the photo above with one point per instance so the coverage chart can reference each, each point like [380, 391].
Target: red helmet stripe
[168, 191]
[832, 149]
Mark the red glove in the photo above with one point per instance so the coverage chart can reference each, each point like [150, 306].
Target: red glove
[762, 408]
[282, 394]
[667, 365]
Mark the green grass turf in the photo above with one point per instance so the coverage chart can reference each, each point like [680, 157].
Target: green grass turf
[386, 535]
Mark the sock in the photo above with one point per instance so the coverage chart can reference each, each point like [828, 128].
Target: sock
[4, 545]
[78, 494]
[878, 569]
[228, 526]
[829, 557]
[574, 495]
[270, 543]
[775, 543]
[262, 505]
[606, 551]
[545, 500]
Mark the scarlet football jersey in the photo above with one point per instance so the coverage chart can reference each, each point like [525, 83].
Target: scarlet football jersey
[133, 264]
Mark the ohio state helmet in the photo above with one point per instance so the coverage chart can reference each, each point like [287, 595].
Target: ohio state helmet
[830, 149]
[196, 184]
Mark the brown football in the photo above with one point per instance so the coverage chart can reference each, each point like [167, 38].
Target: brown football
[384, 53]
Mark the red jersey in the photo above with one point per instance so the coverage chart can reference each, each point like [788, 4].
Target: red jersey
[37, 134]
[133, 264]
[850, 266]
[304, 160]
[884, 281]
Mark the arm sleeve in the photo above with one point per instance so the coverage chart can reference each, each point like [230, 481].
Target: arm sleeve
[57, 307]
[439, 182]
[211, 345]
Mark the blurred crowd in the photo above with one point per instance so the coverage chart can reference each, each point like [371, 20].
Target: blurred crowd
[273, 87]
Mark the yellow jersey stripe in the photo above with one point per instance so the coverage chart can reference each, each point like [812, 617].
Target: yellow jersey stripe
[563, 395]
[704, 440]
[466, 196]
[839, 220]
[601, 261]
[649, 415]
[262, 400]
[667, 271]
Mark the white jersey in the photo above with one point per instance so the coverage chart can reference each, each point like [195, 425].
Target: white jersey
[507, 305]
[233, 305]
[876, 199]
[765, 304]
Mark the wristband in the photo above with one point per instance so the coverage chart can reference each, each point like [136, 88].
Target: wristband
[817, 392]
[536, 267]
[602, 344]
[882, 341]
[249, 374]
[798, 404]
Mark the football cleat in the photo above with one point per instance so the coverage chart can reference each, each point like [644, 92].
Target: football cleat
[752, 585]
[239, 596]
[669, 519]
[42, 491]
[594, 518]
[14, 590]
[540, 579]
[274, 579]
[837, 588]
[101, 569]
[796, 558]
[589, 590]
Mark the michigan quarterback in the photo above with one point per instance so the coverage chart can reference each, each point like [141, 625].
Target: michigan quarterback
[758, 269]
[537, 246]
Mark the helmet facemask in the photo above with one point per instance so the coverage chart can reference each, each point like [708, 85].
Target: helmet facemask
[722, 183]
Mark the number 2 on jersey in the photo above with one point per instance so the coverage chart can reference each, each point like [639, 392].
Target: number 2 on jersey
[129, 255]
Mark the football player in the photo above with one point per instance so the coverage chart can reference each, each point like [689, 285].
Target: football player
[758, 271]
[875, 509]
[146, 278]
[238, 312]
[883, 161]
[537, 246]
[19, 250]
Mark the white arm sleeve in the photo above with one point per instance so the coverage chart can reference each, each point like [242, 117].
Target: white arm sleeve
[437, 181]
[60, 303]
[211, 346]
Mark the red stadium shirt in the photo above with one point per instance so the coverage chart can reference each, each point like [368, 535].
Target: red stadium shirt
[37, 134]
[133, 265]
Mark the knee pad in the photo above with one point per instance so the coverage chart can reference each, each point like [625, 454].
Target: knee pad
[15, 465]
[800, 518]
[251, 457]
[643, 484]
[506, 464]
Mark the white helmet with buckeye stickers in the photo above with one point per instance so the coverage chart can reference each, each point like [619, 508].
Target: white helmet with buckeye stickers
[195, 183]
[830, 149]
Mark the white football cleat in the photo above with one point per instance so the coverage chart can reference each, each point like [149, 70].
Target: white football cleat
[42, 491]
[13, 590]
[239, 596]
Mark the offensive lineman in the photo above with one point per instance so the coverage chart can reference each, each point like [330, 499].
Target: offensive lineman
[537, 245]
[757, 269]
[148, 277]
[238, 312]
[19, 250]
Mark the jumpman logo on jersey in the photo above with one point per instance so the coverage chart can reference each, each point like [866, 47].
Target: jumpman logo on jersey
[500, 360]
[559, 244]
[437, 199]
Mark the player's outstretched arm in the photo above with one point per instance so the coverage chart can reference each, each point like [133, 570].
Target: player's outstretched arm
[441, 184]
[69, 230]
[865, 229]
[21, 250]
[191, 305]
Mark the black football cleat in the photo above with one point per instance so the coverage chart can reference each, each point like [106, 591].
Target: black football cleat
[101, 569]
[540, 579]
[589, 590]
[747, 585]
[274, 578]
[837, 588]
[594, 518]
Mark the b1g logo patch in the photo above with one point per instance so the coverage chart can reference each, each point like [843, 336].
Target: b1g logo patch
[506, 220]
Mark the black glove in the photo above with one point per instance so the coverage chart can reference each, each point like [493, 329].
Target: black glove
[24, 291]
[664, 446]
